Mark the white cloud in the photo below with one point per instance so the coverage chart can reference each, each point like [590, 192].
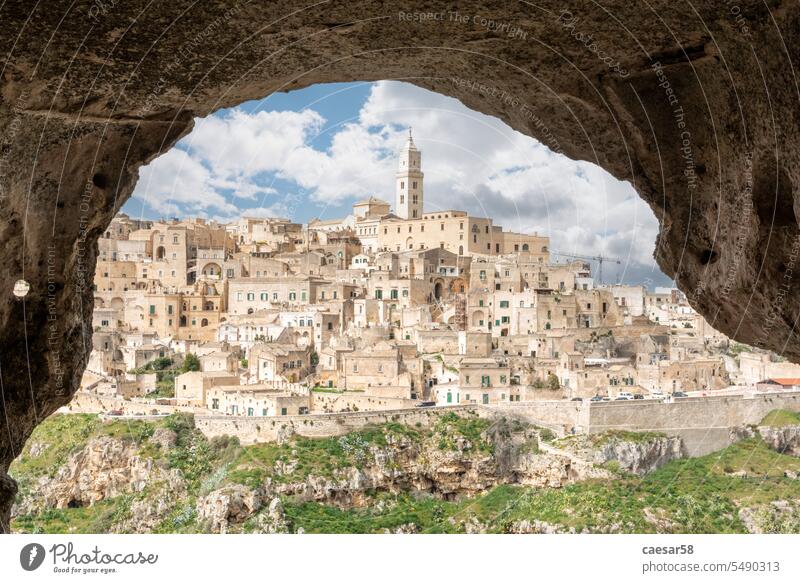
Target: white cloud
[471, 161]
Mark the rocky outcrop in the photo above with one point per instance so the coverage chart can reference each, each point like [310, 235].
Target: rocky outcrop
[638, 455]
[782, 439]
[107, 467]
[785, 439]
[403, 465]
[232, 504]
[777, 517]
[682, 110]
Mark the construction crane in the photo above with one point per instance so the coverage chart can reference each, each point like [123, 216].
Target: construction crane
[599, 258]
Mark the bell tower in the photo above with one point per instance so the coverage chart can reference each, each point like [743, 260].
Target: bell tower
[408, 181]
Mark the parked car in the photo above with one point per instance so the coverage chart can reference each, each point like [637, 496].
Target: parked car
[637, 396]
[577, 399]
[426, 404]
[657, 395]
[596, 398]
[679, 394]
[625, 396]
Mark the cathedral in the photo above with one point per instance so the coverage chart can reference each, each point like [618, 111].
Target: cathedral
[408, 226]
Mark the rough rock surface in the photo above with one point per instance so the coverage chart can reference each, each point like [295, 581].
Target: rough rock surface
[784, 439]
[778, 517]
[697, 107]
[230, 504]
[404, 465]
[105, 468]
[636, 456]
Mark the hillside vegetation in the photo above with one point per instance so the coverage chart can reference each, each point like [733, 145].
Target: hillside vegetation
[462, 475]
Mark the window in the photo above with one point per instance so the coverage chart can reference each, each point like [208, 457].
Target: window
[169, 310]
[214, 402]
[480, 303]
[283, 410]
[264, 296]
[251, 296]
[274, 296]
[504, 304]
[402, 186]
[292, 296]
[441, 227]
[378, 294]
[152, 309]
[393, 294]
[402, 198]
[505, 319]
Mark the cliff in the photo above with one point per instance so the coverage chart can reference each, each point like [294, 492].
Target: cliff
[464, 474]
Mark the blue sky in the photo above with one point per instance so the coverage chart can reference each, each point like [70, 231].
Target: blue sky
[313, 152]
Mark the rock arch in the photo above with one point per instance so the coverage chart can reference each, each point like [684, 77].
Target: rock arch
[682, 105]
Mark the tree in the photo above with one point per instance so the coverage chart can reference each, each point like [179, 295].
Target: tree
[552, 382]
[191, 363]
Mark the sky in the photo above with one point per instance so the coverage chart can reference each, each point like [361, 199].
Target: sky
[314, 152]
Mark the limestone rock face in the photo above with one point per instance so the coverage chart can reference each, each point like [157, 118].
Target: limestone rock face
[105, 468]
[782, 439]
[698, 109]
[229, 504]
[411, 466]
[636, 456]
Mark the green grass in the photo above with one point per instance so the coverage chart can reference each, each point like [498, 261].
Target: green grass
[631, 436]
[691, 496]
[450, 426]
[86, 520]
[696, 495]
[306, 456]
[62, 435]
[781, 418]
